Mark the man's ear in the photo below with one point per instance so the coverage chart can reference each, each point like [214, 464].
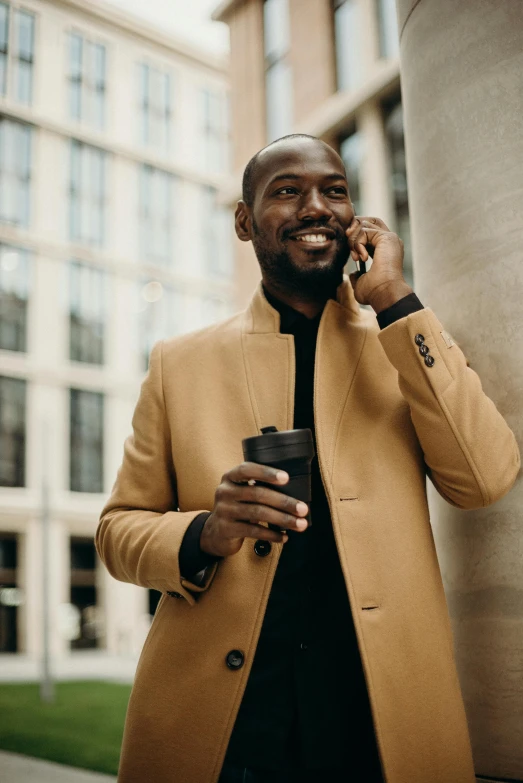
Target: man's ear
[243, 221]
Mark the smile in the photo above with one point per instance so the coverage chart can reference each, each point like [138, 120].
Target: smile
[316, 239]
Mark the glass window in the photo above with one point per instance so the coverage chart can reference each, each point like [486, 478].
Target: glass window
[215, 131]
[84, 593]
[83, 554]
[156, 214]
[278, 74]
[276, 28]
[278, 100]
[393, 117]
[87, 80]
[23, 57]
[12, 432]
[87, 194]
[16, 53]
[161, 317]
[86, 441]
[8, 552]
[87, 313]
[155, 106]
[350, 151]
[347, 34]
[15, 172]
[14, 292]
[216, 235]
[4, 40]
[388, 28]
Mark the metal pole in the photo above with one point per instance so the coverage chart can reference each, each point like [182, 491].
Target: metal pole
[47, 691]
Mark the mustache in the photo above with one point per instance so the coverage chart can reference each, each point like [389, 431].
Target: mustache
[337, 229]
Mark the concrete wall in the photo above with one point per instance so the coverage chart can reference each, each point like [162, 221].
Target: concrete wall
[461, 66]
[46, 365]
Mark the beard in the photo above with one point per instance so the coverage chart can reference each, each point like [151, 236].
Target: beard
[313, 280]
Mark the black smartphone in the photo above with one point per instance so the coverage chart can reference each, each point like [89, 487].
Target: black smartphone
[363, 264]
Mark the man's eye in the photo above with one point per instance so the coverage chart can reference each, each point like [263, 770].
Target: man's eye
[287, 190]
[339, 191]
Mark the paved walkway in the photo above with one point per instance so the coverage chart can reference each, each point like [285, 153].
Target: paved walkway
[15, 768]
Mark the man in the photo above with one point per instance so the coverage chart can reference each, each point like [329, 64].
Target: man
[319, 653]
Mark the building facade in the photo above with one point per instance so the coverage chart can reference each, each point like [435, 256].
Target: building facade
[114, 143]
[329, 68]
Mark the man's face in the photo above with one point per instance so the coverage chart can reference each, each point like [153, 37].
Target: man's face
[300, 213]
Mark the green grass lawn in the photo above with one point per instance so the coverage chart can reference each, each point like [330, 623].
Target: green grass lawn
[82, 728]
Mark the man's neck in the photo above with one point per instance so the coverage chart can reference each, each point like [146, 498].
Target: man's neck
[307, 306]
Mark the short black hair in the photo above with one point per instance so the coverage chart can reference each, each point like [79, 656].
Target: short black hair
[248, 182]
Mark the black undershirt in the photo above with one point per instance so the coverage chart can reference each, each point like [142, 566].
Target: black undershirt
[306, 701]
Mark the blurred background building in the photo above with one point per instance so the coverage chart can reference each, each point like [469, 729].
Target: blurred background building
[114, 141]
[329, 68]
[117, 187]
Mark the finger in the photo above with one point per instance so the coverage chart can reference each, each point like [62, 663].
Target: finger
[268, 497]
[241, 474]
[362, 251]
[256, 512]
[246, 530]
[374, 222]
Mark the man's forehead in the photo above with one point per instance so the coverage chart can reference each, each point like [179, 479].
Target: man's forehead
[312, 157]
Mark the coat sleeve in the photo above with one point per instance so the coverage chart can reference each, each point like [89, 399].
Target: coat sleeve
[140, 531]
[471, 454]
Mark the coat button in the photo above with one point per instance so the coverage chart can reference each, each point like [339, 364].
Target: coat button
[262, 548]
[304, 646]
[235, 659]
[419, 339]
[424, 349]
[429, 360]
[174, 594]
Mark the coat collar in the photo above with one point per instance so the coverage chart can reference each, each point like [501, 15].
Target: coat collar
[262, 318]
[270, 366]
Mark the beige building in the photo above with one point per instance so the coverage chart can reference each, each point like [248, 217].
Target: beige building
[330, 69]
[113, 145]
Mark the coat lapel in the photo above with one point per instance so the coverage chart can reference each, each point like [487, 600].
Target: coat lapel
[270, 364]
[341, 338]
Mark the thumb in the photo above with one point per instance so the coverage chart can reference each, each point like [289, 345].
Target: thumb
[354, 277]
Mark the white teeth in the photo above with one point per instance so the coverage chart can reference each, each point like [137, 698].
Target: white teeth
[312, 238]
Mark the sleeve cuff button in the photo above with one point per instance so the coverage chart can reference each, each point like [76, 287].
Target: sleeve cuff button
[429, 360]
[419, 339]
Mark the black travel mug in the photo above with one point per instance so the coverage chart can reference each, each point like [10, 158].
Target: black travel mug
[289, 450]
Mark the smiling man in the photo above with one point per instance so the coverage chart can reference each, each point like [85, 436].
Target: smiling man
[324, 652]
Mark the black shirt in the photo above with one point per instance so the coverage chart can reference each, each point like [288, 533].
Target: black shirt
[306, 701]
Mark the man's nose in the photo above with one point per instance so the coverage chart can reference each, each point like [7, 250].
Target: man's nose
[313, 206]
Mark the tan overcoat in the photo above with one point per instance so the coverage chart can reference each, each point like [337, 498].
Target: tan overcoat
[384, 420]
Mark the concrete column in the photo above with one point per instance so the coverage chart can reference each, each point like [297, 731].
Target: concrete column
[461, 66]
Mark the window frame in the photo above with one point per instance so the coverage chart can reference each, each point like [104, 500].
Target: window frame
[150, 180]
[21, 175]
[22, 324]
[77, 196]
[152, 118]
[11, 53]
[79, 477]
[81, 324]
[345, 81]
[277, 62]
[19, 461]
[90, 88]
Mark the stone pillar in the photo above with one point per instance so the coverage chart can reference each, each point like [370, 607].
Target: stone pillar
[461, 71]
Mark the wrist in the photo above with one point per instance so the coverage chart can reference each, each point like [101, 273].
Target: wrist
[206, 540]
[388, 294]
